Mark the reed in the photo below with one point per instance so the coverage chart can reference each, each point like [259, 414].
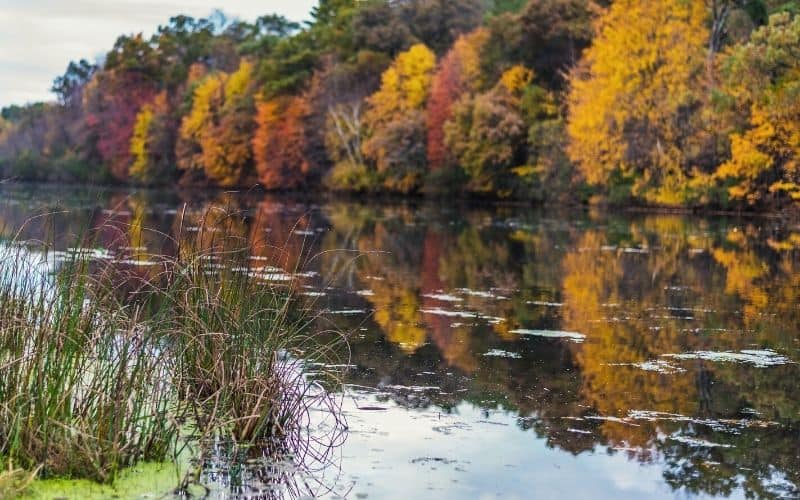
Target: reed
[101, 368]
[83, 389]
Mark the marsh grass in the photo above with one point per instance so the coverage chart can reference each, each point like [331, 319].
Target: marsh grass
[240, 344]
[82, 386]
[101, 368]
[14, 482]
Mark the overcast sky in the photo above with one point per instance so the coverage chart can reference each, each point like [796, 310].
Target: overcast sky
[38, 38]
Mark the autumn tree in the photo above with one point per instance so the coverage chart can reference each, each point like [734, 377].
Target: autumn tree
[633, 120]
[488, 134]
[112, 101]
[458, 73]
[764, 77]
[152, 144]
[395, 121]
[278, 143]
[215, 136]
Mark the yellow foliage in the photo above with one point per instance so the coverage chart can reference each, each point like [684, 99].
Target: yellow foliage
[468, 47]
[643, 70]
[206, 97]
[404, 86]
[754, 154]
[139, 138]
[219, 127]
[747, 162]
[237, 84]
[516, 78]
[765, 73]
[142, 138]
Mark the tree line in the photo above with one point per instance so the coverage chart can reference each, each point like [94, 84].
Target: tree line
[667, 102]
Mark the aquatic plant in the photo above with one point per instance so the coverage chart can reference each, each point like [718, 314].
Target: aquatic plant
[103, 366]
[240, 343]
[83, 389]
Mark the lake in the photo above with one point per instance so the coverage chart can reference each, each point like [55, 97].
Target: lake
[507, 351]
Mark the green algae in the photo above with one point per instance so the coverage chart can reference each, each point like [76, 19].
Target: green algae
[147, 480]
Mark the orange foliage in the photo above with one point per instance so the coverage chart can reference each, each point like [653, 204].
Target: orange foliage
[215, 134]
[278, 142]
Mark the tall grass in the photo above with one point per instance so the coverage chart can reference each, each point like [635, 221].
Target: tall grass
[101, 368]
[240, 344]
[83, 391]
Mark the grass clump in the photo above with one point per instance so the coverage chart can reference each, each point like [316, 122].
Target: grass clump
[83, 389]
[14, 482]
[102, 367]
[240, 340]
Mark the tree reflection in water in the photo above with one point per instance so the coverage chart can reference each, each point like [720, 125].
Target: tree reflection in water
[443, 287]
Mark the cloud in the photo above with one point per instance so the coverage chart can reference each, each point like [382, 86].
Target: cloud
[38, 38]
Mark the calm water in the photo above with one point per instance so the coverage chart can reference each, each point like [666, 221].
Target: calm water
[517, 353]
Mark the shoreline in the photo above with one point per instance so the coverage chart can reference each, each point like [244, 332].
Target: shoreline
[790, 213]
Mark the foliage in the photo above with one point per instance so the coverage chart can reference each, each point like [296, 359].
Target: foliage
[764, 74]
[634, 118]
[458, 73]
[395, 122]
[669, 102]
[488, 134]
[547, 36]
[398, 152]
[278, 143]
[216, 133]
[111, 103]
[152, 143]
[404, 86]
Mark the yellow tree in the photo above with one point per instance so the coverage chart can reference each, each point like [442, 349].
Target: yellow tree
[151, 142]
[218, 129]
[404, 86]
[395, 120]
[634, 97]
[206, 98]
[764, 76]
[139, 149]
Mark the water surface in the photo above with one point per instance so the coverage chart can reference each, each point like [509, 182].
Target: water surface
[513, 352]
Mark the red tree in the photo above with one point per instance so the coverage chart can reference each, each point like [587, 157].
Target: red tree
[279, 142]
[458, 73]
[113, 100]
[446, 88]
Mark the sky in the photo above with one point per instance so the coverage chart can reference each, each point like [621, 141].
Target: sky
[38, 38]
